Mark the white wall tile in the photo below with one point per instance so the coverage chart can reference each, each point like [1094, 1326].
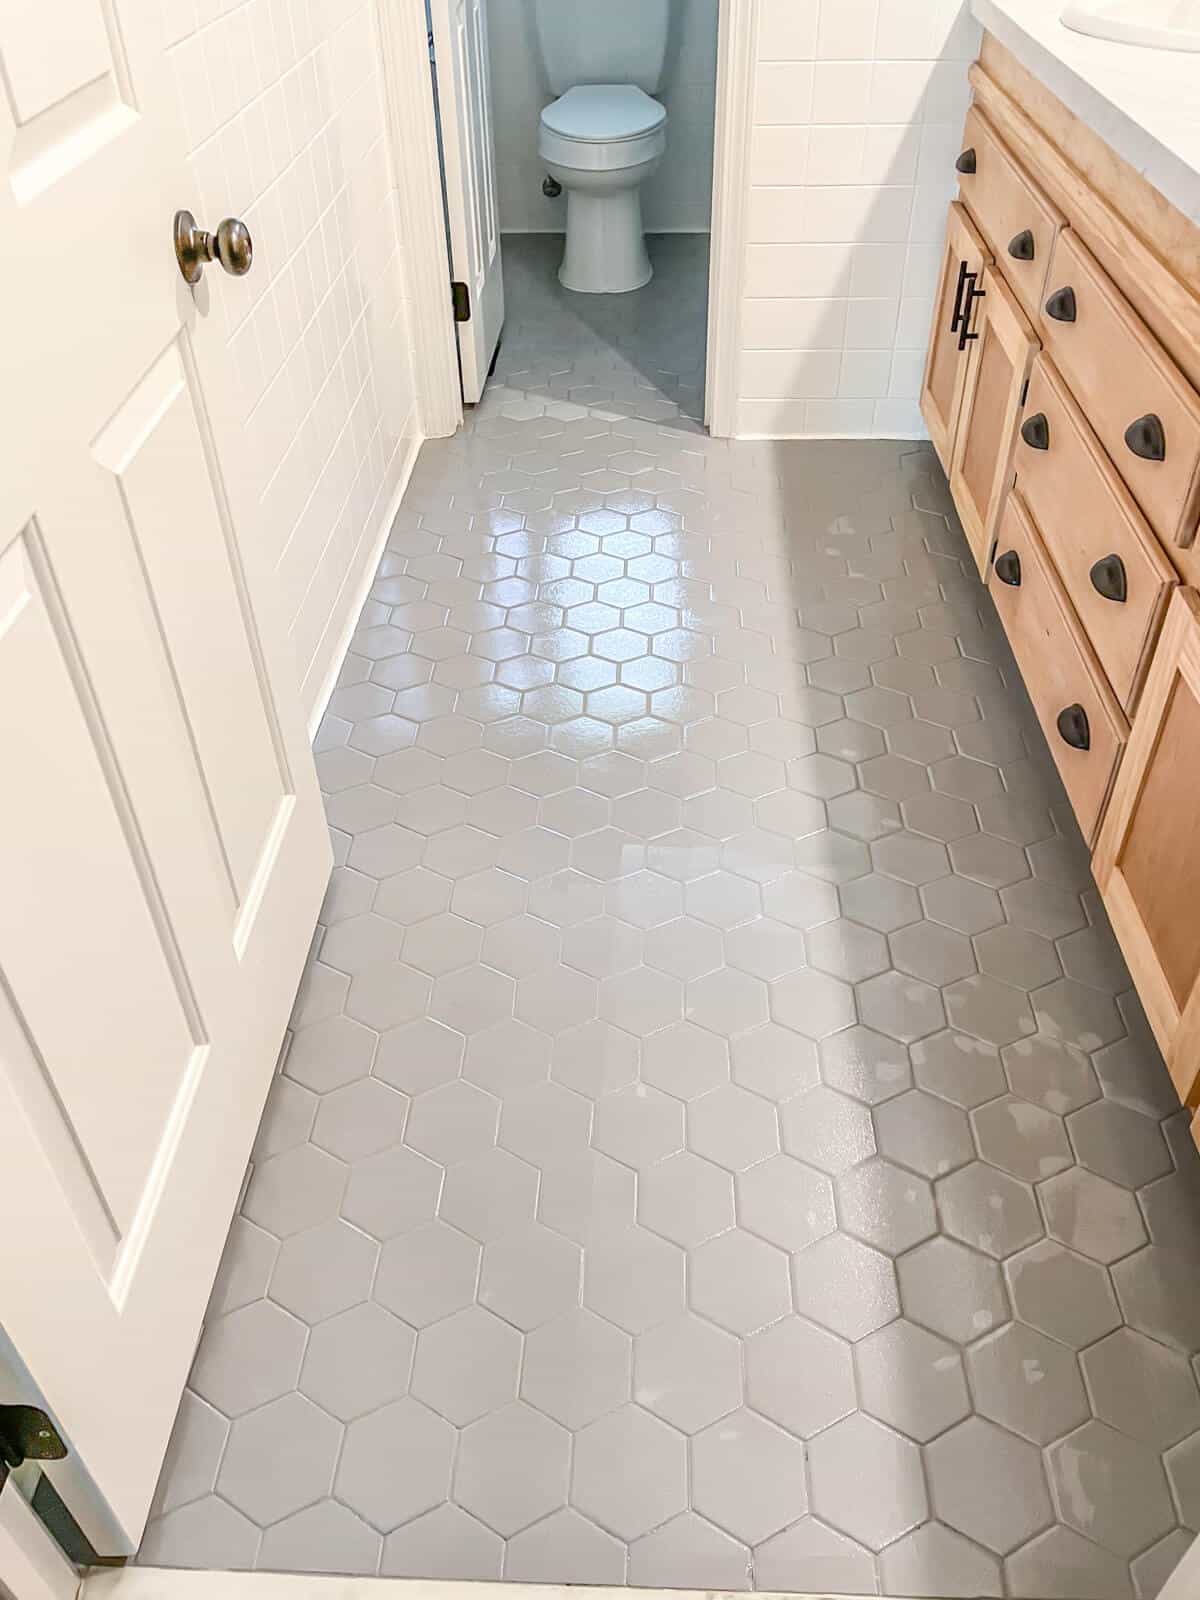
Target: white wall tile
[782, 156]
[841, 91]
[283, 107]
[793, 374]
[777, 324]
[787, 30]
[858, 115]
[808, 270]
[783, 92]
[846, 30]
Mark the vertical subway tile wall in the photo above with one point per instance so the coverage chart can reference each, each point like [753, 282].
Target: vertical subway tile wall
[858, 105]
[283, 105]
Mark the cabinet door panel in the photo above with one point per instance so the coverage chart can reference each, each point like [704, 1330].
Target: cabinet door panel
[981, 463]
[964, 257]
[1148, 857]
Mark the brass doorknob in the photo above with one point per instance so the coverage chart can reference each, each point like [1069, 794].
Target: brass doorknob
[231, 245]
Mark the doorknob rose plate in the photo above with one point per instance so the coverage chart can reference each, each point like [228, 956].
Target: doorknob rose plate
[231, 245]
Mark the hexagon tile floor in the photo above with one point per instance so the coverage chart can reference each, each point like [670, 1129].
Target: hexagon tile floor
[718, 1146]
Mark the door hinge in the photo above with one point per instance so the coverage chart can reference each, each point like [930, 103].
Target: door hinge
[1024, 392]
[460, 299]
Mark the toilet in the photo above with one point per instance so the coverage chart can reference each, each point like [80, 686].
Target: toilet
[605, 133]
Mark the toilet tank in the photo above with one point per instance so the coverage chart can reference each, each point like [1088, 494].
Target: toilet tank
[603, 41]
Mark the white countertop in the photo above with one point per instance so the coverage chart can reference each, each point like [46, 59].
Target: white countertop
[1145, 103]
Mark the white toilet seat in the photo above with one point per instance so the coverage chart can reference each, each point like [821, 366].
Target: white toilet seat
[602, 127]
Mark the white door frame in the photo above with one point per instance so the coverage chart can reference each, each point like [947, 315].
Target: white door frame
[413, 126]
[737, 51]
[32, 1567]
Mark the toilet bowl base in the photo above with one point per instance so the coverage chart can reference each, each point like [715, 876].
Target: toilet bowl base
[605, 246]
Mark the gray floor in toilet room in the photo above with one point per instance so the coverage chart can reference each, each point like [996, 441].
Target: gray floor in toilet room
[719, 1145]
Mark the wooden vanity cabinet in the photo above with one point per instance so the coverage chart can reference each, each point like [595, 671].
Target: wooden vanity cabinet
[964, 257]
[1147, 860]
[1062, 393]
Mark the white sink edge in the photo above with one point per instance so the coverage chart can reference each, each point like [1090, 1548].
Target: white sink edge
[1117, 22]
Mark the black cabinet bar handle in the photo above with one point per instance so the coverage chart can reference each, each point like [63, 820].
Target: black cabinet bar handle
[1061, 305]
[967, 163]
[1035, 431]
[1021, 247]
[1147, 438]
[1073, 728]
[965, 336]
[1008, 569]
[964, 273]
[1108, 579]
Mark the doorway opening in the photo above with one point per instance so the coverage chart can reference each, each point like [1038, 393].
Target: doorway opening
[577, 160]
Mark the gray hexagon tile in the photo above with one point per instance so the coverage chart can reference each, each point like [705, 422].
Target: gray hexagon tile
[716, 1146]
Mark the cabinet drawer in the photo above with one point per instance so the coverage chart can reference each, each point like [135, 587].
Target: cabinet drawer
[1083, 724]
[1112, 567]
[1014, 216]
[1144, 411]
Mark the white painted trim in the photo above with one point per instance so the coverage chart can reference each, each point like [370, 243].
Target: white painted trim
[367, 567]
[156, 1583]
[737, 50]
[417, 175]
[32, 1567]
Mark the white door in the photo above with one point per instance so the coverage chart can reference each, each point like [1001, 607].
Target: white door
[162, 846]
[465, 104]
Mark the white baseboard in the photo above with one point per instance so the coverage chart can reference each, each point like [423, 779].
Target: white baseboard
[813, 438]
[157, 1583]
[363, 587]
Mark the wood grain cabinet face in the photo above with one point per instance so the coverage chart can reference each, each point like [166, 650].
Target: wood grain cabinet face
[1148, 857]
[1114, 571]
[1004, 346]
[1019, 224]
[1083, 724]
[1145, 412]
[964, 257]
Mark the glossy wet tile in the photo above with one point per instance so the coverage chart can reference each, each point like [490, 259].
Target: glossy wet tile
[717, 1146]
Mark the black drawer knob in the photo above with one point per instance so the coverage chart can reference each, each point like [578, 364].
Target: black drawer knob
[1147, 438]
[1008, 569]
[1061, 305]
[1035, 431]
[1073, 728]
[967, 163]
[1022, 247]
[1108, 578]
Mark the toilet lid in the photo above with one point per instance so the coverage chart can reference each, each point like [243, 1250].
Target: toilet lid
[604, 113]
